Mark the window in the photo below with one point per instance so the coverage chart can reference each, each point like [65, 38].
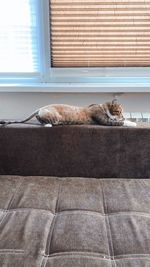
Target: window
[96, 42]
[19, 38]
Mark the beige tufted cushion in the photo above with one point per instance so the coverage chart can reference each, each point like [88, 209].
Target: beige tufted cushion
[74, 222]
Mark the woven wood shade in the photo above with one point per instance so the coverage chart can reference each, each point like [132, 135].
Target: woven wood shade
[100, 33]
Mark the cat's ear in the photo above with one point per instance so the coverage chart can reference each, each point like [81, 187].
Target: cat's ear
[115, 101]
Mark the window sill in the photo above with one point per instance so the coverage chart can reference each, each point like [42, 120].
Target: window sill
[76, 88]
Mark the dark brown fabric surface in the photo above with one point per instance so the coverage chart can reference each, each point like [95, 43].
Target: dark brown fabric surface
[89, 151]
[74, 222]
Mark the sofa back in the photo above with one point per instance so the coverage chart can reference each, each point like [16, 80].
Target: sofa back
[82, 151]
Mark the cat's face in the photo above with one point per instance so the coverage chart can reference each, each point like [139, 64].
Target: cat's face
[116, 110]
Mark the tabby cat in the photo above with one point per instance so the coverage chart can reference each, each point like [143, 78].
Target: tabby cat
[109, 113]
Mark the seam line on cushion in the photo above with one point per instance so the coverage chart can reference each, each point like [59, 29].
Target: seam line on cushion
[104, 209]
[3, 217]
[78, 211]
[111, 249]
[88, 212]
[95, 255]
[25, 209]
[101, 191]
[43, 261]
[11, 251]
[57, 201]
[53, 222]
[14, 195]
[50, 235]
[77, 253]
[128, 256]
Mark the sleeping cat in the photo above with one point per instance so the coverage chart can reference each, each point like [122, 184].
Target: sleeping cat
[109, 113]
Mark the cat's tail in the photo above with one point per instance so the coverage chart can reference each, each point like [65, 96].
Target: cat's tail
[6, 122]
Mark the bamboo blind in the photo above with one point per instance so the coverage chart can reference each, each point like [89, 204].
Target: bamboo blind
[100, 33]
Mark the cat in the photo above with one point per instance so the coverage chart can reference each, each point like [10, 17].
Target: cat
[109, 113]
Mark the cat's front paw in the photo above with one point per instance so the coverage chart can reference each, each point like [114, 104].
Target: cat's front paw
[114, 118]
[129, 123]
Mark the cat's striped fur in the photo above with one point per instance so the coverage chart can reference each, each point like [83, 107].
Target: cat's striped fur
[109, 113]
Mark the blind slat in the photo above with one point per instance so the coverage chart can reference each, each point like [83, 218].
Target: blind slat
[100, 33]
[84, 2]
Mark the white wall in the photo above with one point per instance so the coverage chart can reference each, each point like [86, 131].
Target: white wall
[19, 105]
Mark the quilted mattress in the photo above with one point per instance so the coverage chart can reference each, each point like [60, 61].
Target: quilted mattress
[74, 222]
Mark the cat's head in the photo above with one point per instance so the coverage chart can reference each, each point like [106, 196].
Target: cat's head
[115, 109]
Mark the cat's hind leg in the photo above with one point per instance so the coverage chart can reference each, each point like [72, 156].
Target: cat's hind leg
[48, 125]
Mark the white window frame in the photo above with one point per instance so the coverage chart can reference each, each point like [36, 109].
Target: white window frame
[107, 79]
